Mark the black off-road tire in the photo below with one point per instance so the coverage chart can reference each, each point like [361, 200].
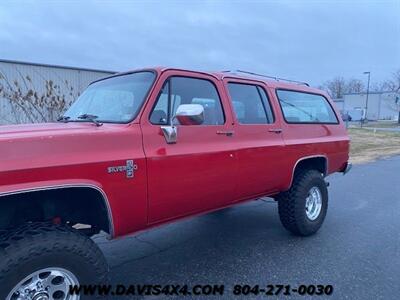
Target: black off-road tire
[292, 203]
[37, 246]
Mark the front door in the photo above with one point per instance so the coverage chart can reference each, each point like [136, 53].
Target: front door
[196, 173]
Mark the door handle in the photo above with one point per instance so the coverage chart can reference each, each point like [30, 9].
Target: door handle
[226, 132]
[275, 130]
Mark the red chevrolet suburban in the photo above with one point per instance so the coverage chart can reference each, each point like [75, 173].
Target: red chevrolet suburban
[151, 146]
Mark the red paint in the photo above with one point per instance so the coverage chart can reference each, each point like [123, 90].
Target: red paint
[202, 172]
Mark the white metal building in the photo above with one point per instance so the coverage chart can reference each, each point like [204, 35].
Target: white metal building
[66, 81]
[381, 105]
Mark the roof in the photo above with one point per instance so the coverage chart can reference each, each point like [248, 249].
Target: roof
[54, 66]
[271, 81]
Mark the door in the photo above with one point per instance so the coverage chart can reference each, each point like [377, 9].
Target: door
[258, 137]
[196, 173]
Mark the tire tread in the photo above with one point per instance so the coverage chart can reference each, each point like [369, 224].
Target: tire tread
[290, 208]
[17, 247]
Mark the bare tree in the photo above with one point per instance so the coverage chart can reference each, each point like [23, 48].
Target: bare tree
[354, 86]
[393, 85]
[26, 105]
[339, 86]
[335, 87]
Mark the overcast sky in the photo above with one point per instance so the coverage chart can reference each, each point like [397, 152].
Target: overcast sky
[305, 40]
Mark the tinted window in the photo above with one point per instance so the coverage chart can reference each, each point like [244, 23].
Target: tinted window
[250, 104]
[299, 107]
[183, 90]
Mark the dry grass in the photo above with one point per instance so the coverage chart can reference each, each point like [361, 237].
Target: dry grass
[367, 145]
[382, 124]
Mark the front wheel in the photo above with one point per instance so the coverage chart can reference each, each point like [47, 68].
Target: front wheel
[302, 209]
[42, 261]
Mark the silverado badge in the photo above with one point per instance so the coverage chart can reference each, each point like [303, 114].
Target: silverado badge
[129, 168]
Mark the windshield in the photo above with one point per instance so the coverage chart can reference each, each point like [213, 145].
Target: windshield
[115, 100]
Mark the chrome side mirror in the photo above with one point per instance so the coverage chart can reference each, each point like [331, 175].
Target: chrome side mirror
[190, 114]
[186, 114]
[170, 133]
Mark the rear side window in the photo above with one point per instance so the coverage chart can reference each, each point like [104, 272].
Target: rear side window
[185, 90]
[300, 107]
[250, 103]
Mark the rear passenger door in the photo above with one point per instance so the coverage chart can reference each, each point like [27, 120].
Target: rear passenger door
[258, 138]
[196, 173]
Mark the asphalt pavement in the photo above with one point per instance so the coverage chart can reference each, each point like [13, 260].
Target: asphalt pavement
[357, 250]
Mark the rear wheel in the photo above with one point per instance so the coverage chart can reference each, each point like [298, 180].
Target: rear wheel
[302, 209]
[41, 261]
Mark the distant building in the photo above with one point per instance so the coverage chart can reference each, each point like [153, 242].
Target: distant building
[68, 82]
[381, 105]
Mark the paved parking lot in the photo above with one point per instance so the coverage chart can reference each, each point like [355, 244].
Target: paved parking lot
[357, 250]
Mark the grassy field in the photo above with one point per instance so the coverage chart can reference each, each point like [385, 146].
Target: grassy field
[380, 124]
[367, 145]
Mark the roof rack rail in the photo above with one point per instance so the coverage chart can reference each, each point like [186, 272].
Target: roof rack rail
[266, 76]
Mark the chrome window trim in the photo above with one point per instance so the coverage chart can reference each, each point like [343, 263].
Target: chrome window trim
[65, 186]
[307, 157]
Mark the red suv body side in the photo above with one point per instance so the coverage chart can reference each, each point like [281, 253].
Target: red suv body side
[210, 167]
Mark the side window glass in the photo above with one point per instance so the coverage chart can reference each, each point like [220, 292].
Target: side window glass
[267, 104]
[300, 107]
[185, 90]
[239, 109]
[249, 104]
[159, 115]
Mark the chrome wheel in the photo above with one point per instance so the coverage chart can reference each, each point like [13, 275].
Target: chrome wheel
[313, 203]
[45, 284]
